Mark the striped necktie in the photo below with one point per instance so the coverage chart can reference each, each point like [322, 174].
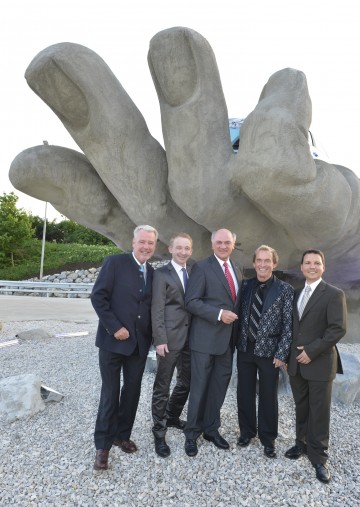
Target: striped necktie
[256, 311]
[305, 299]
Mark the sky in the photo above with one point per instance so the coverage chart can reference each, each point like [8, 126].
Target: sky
[251, 40]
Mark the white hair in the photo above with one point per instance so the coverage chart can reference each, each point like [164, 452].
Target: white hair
[147, 228]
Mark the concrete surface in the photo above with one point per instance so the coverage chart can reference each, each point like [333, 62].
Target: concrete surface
[23, 308]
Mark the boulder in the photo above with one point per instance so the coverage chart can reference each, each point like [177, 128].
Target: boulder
[20, 397]
[33, 334]
[346, 387]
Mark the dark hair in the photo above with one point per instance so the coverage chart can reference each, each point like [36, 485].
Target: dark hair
[313, 251]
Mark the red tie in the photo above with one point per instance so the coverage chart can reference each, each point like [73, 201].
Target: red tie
[230, 280]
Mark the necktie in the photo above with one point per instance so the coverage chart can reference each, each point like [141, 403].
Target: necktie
[255, 314]
[142, 269]
[230, 280]
[185, 276]
[305, 299]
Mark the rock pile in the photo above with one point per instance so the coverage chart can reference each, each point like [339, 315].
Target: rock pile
[77, 276]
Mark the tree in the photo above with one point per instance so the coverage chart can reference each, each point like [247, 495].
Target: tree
[15, 228]
[73, 232]
[53, 230]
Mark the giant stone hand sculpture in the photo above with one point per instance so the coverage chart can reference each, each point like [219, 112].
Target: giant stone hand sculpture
[272, 191]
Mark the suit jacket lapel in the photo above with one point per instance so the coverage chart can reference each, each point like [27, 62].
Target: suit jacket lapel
[220, 273]
[295, 304]
[315, 296]
[176, 278]
[271, 295]
[237, 273]
[248, 295]
[318, 292]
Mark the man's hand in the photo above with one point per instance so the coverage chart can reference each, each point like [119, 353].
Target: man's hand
[303, 358]
[161, 350]
[277, 363]
[228, 317]
[122, 334]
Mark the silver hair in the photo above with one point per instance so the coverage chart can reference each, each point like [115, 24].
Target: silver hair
[147, 228]
[232, 233]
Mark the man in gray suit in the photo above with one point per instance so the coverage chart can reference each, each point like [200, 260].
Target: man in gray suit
[265, 322]
[170, 329]
[211, 298]
[319, 322]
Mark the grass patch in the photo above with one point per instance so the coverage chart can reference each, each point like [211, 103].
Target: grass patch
[58, 257]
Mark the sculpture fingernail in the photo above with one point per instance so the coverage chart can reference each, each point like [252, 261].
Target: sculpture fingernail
[173, 66]
[69, 103]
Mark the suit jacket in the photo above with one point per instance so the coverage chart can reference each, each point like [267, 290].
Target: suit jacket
[207, 292]
[275, 325]
[322, 325]
[170, 320]
[120, 299]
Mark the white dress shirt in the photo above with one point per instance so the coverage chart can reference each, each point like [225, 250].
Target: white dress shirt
[312, 287]
[179, 271]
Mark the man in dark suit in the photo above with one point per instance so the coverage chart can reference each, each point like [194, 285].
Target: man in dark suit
[122, 300]
[265, 322]
[319, 322]
[211, 298]
[170, 328]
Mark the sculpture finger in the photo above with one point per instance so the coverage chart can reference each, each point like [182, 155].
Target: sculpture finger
[81, 89]
[196, 133]
[194, 120]
[67, 180]
[275, 168]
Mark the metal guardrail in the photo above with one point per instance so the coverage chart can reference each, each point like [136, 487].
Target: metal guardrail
[48, 289]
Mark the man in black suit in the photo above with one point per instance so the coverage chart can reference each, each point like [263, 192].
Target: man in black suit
[265, 332]
[211, 298]
[170, 328]
[319, 322]
[122, 300]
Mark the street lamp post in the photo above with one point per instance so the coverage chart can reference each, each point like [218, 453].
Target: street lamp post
[43, 245]
[43, 237]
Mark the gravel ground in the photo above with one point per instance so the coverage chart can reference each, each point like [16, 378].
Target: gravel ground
[47, 460]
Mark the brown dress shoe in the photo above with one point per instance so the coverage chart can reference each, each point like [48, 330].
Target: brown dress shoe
[125, 445]
[101, 459]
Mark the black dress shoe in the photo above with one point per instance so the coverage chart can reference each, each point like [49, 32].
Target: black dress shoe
[243, 441]
[175, 423]
[161, 447]
[191, 447]
[295, 452]
[217, 440]
[269, 452]
[322, 472]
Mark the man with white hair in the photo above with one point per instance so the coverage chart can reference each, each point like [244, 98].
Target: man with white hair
[122, 300]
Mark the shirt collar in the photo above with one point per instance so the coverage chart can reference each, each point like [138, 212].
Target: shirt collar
[313, 285]
[221, 262]
[137, 262]
[267, 284]
[177, 266]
